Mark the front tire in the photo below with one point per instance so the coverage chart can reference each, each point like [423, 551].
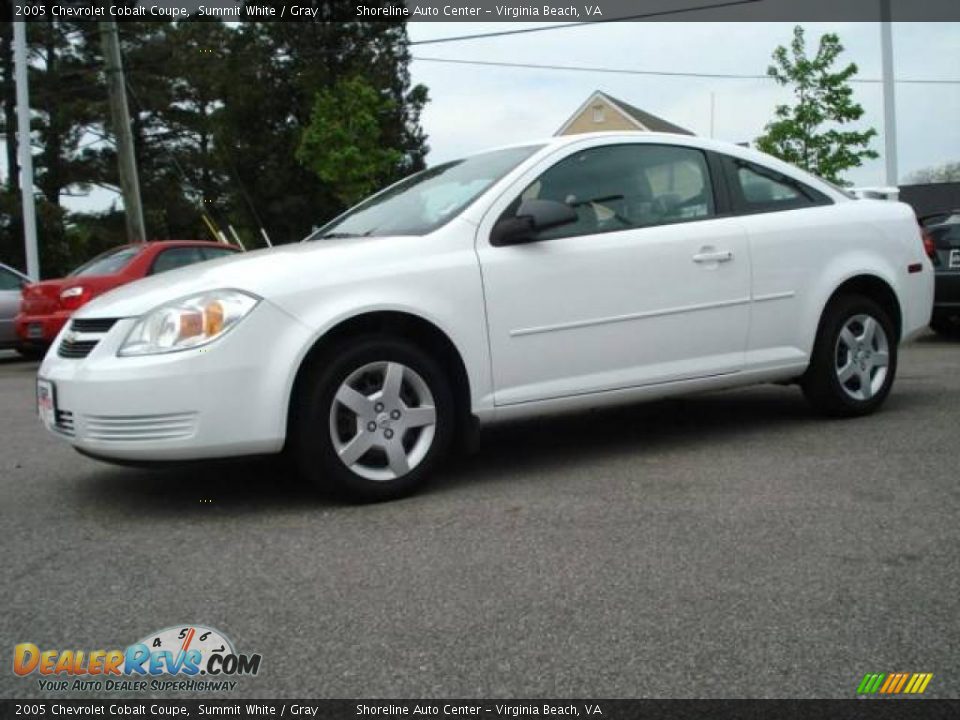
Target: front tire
[30, 352]
[374, 418]
[854, 358]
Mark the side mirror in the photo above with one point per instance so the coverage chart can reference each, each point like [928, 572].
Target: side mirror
[532, 217]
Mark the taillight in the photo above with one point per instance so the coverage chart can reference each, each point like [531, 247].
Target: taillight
[72, 298]
[929, 246]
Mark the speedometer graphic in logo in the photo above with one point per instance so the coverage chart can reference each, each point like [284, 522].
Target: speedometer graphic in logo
[181, 639]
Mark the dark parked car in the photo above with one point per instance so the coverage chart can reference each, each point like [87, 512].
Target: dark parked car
[942, 236]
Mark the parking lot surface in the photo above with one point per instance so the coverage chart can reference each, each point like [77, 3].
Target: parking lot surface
[724, 545]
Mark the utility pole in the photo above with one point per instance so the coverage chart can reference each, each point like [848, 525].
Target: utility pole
[25, 151]
[712, 104]
[120, 116]
[889, 96]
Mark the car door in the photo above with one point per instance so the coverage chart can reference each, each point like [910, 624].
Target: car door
[10, 285]
[649, 285]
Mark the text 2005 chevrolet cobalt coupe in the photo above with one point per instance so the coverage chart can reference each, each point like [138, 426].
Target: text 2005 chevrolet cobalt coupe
[579, 272]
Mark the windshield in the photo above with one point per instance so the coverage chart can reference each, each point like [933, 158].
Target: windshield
[425, 201]
[107, 263]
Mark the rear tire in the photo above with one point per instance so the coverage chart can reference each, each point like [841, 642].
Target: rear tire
[373, 418]
[854, 358]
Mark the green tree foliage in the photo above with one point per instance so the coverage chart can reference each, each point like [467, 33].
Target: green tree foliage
[218, 113]
[808, 133]
[947, 172]
[276, 71]
[343, 144]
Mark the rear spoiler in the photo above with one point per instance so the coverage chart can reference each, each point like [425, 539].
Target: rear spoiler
[877, 193]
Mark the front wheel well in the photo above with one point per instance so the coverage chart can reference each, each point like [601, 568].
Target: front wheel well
[406, 326]
[877, 290]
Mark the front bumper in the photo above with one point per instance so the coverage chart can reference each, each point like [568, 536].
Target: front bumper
[228, 398]
[39, 331]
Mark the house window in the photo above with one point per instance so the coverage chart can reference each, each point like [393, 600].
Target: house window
[598, 113]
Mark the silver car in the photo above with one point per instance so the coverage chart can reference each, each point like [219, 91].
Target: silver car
[11, 282]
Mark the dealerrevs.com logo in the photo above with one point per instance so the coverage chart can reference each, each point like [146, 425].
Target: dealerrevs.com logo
[179, 658]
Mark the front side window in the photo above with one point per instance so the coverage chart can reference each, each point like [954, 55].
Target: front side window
[212, 253]
[425, 201]
[619, 187]
[176, 258]
[108, 263]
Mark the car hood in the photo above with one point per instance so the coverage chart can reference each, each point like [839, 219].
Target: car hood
[261, 272]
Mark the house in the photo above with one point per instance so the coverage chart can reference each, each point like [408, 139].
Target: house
[601, 112]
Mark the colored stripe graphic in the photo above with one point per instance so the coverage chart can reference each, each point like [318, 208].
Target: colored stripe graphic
[891, 679]
[901, 682]
[870, 683]
[894, 683]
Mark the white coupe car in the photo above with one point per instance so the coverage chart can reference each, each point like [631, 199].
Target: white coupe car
[577, 272]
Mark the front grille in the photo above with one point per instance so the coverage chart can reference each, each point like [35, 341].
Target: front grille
[70, 348]
[64, 422]
[93, 325]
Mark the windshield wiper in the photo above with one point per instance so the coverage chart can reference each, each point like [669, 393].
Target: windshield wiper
[335, 234]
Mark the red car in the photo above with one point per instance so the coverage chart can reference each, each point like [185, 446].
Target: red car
[45, 306]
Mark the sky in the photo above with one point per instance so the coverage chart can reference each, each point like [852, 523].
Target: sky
[473, 108]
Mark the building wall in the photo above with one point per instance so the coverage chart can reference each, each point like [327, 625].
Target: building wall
[613, 120]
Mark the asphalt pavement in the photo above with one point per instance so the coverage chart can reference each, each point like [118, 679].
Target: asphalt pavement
[724, 545]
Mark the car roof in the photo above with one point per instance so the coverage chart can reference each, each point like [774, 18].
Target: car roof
[176, 243]
[655, 138]
[548, 145]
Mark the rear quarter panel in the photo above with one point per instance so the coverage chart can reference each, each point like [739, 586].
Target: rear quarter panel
[801, 257]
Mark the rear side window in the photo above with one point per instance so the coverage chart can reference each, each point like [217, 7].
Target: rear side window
[758, 189]
[110, 262]
[176, 258]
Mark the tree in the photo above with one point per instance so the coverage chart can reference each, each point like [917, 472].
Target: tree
[276, 71]
[947, 172]
[63, 96]
[807, 133]
[343, 144]
[218, 112]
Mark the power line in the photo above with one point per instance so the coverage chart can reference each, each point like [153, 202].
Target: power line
[564, 26]
[656, 73]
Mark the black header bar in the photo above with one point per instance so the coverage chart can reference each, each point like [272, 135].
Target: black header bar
[575, 11]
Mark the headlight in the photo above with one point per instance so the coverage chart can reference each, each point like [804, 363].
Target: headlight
[188, 322]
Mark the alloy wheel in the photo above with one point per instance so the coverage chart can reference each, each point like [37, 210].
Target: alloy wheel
[862, 357]
[383, 420]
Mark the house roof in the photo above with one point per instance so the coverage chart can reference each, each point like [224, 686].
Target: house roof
[643, 119]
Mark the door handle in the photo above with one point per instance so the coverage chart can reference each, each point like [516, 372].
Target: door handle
[713, 256]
